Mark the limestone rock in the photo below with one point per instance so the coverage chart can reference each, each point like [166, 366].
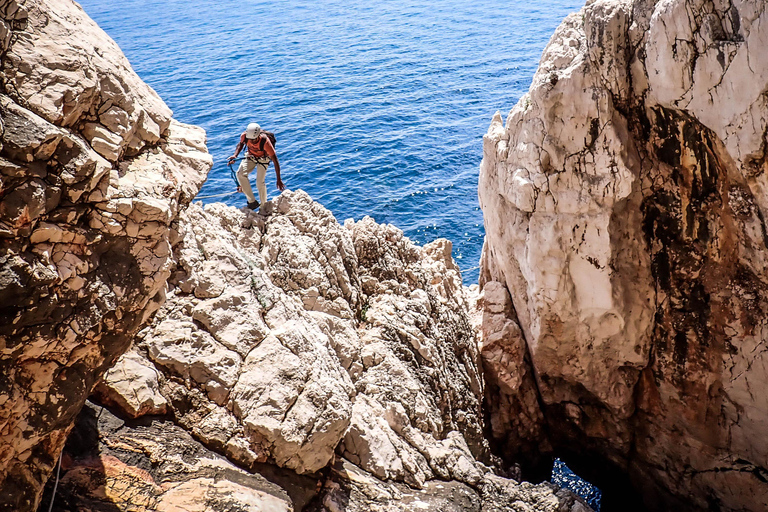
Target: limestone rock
[67, 70]
[153, 465]
[254, 350]
[624, 204]
[516, 419]
[367, 363]
[132, 386]
[297, 333]
[353, 490]
[416, 339]
[85, 251]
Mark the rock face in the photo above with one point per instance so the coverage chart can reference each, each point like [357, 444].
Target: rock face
[290, 363]
[344, 353]
[151, 464]
[93, 173]
[625, 204]
[284, 336]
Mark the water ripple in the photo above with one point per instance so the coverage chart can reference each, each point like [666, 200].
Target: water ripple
[379, 107]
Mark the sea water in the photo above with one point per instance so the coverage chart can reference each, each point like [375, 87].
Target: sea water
[379, 107]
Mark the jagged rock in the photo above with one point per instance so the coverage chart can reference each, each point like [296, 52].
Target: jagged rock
[296, 333]
[153, 465]
[624, 204]
[370, 356]
[132, 386]
[256, 353]
[85, 249]
[66, 69]
[353, 490]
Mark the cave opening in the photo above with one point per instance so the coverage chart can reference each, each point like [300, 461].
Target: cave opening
[604, 486]
[565, 478]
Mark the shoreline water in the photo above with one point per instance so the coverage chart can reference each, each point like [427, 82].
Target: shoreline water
[378, 109]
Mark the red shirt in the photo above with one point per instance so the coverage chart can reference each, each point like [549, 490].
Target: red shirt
[253, 146]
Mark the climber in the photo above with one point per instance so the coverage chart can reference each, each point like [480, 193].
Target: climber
[259, 152]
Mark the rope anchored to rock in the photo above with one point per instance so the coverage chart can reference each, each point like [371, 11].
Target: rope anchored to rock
[234, 178]
[232, 171]
[215, 195]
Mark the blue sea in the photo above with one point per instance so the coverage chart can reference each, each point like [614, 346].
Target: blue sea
[379, 107]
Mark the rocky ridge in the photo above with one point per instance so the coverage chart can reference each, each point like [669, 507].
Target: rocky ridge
[342, 353]
[625, 205]
[93, 174]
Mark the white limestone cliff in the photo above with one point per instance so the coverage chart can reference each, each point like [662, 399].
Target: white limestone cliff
[624, 203]
[291, 340]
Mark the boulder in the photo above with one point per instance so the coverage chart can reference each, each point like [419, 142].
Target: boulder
[297, 333]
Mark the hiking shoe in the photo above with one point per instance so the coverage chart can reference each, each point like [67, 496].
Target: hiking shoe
[252, 205]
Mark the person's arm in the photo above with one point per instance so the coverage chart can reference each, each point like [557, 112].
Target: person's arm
[270, 150]
[280, 184]
[238, 149]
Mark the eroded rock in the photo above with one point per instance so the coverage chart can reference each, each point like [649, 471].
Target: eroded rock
[153, 465]
[367, 364]
[296, 333]
[624, 205]
[84, 233]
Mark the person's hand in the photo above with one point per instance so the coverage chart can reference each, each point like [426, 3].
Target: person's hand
[280, 185]
[231, 160]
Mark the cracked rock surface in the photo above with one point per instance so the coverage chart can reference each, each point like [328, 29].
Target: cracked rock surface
[93, 173]
[284, 336]
[340, 352]
[625, 204]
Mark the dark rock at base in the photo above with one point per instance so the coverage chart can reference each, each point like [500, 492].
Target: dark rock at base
[110, 464]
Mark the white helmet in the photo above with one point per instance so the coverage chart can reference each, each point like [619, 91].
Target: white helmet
[252, 131]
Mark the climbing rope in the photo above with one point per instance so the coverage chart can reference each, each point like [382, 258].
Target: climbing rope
[234, 178]
[56, 484]
[215, 195]
[232, 171]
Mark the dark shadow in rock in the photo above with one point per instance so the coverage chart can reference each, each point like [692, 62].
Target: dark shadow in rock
[82, 474]
[111, 464]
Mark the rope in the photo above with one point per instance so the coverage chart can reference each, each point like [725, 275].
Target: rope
[232, 171]
[234, 178]
[55, 485]
[215, 195]
[469, 269]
